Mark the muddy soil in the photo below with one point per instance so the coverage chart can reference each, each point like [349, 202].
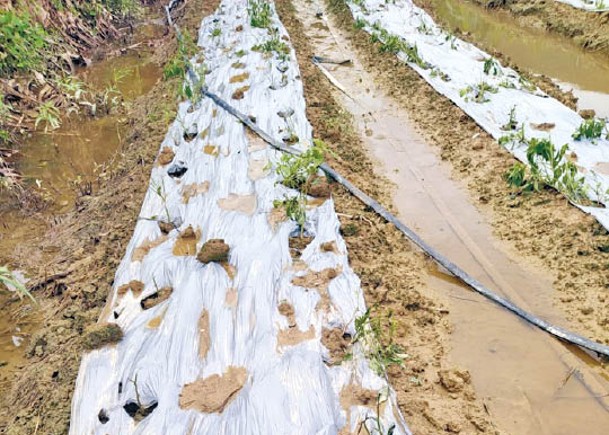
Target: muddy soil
[85, 246]
[389, 267]
[543, 228]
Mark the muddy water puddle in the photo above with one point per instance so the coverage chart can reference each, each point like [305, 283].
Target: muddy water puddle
[64, 162]
[529, 382]
[585, 72]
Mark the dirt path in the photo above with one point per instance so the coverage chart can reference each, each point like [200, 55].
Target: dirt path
[524, 398]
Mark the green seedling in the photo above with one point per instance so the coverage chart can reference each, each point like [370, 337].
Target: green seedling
[295, 209]
[273, 45]
[491, 66]
[478, 93]
[512, 123]
[260, 13]
[591, 129]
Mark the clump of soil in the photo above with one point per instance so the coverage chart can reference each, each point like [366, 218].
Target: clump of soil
[292, 336]
[337, 343]
[214, 250]
[135, 286]
[298, 245]
[329, 247]
[240, 93]
[98, 336]
[214, 393]
[454, 380]
[186, 243]
[287, 310]
[166, 156]
[156, 298]
[319, 280]
[166, 227]
[239, 78]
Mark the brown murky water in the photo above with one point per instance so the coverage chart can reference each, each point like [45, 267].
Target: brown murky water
[585, 72]
[530, 382]
[63, 161]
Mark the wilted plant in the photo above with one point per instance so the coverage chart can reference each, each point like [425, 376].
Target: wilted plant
[512, 123]
[547, 167]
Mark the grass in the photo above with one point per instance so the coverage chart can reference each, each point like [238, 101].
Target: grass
[591, 129]
[49, 115]
[22, 43]
[547, 167]
[176, 66]
[260, 13]
[11, 283]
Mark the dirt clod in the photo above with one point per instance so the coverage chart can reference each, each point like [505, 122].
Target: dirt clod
[240, 93]
[337, 344]
[166, 156]
[156, 298]
[98, 336]
[454, 380]
[214, 250]
[186, 243]
[320, 188]
[135, 286]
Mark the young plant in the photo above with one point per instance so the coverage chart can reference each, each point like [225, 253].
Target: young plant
[512, 123]
[295, 209]
[491, 66]
[516, 138]
[296, 171]
[260, 13]
[478, 93]
[377, 425]
[590, 129]
[273, 45]
[376, 335]
[159, 190]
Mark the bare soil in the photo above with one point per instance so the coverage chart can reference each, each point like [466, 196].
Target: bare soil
[391, 270]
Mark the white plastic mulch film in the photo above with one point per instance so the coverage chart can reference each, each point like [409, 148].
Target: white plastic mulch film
[456, 69]
[588, 5]
[233, 348]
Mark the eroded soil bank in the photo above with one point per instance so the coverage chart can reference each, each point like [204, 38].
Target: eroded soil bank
[81, 248]
[520, 374]
[590, 30]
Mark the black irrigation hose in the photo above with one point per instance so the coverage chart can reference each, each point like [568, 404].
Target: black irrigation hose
[556, 331]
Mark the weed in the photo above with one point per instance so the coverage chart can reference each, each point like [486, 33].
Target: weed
[240, 53]
[216, 32]
[22, 43]
[176, 66]
[122, 8]
[49, 114]
[491, 66]
[8, 280]
[590, 129]
[547, 167]
[260, 13]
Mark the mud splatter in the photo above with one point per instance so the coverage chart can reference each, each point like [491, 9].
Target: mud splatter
[241, 203]
[194, 189]
[214, 393]
[141, 251]
[204, 335]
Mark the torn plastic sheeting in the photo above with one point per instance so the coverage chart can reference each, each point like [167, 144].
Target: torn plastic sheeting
[587, 5]
[456, 65]
[224, 319]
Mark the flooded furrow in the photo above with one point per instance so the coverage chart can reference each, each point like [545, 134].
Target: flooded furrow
[530, 383]
[585, 72]
[64, 162]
